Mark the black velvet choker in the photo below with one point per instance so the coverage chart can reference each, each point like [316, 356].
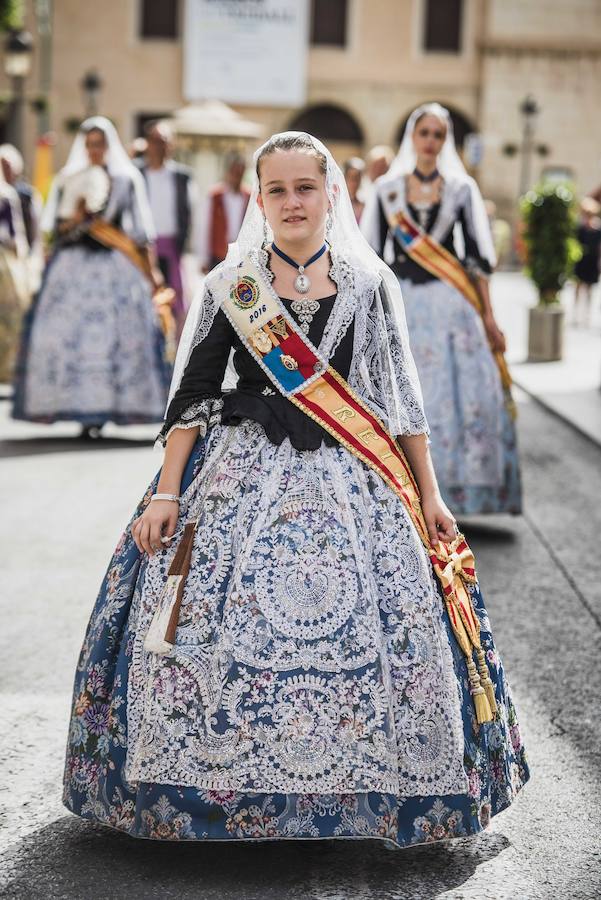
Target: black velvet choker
[425, 178]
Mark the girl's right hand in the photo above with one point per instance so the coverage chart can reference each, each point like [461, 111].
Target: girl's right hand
[158, 520]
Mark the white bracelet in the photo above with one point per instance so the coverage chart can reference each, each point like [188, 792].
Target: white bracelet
[173, 497]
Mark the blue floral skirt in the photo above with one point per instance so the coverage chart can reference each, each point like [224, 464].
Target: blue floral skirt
[474, 446]
[91, 347]
[315, 689]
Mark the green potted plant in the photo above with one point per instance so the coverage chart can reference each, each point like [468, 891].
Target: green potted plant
[550, 250]
[11, 14]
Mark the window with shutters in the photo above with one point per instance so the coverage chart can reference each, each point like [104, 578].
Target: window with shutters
[328, 22]
[443, 20]
[159, 19]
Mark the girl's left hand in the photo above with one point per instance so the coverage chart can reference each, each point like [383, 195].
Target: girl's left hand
[440, 521]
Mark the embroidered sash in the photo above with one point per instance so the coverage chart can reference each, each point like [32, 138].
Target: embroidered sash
[110, 236]
[299, 372]
[436, 259]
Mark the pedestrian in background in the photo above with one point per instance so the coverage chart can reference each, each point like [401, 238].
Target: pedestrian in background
[353, 176]
[586, 270]
[269, 656]
[377, 162]
[136, 150]
[92, 350]
[455, 339]
[222, 213]
[31, 209]
[174, 203]
[13, 290]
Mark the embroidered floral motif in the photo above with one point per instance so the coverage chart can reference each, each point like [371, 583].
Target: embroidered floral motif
[254, 822]
[119, 813]
[439, 824]
[165, 822]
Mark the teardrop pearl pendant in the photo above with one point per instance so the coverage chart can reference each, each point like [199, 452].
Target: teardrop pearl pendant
[302, 283]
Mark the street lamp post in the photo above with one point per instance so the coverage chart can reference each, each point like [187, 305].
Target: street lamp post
[529, 110]
[91, 85]
[17, 65]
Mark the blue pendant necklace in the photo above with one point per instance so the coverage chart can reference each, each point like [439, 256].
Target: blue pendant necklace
[302, 283]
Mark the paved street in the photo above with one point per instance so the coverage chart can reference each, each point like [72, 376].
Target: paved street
[570, 386]
[64, 503]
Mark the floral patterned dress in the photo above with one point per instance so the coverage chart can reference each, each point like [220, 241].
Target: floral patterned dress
[92, 350]
[474, 446]
[315, 689]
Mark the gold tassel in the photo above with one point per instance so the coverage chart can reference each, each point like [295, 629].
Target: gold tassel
[481, 704]
[486, 681]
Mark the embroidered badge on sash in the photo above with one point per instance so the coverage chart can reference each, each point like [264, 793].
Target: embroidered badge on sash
[279, 327]
[290, 362]
[261, 342]
[245, 292]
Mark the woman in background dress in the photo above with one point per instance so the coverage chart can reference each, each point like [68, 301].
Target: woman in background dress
[92, 350]
[457, 347]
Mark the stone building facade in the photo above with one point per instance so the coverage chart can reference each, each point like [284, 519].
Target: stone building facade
[368, 66]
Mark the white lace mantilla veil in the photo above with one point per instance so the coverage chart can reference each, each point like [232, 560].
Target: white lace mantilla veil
[383, 372]
[451, 168]
[117, 163]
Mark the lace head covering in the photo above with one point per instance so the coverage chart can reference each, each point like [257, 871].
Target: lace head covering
[383, 371]
[116, 161]
[451, 168]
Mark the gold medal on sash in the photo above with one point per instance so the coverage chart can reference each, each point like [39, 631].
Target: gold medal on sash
[261, 342]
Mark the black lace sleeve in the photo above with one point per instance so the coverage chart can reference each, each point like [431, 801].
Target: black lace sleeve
[197, 401]
[474, 261]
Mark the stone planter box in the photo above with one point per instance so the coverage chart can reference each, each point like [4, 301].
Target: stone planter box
[545, 334]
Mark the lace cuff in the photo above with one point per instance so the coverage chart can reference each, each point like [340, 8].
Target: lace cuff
[203, 415]
[413, 427]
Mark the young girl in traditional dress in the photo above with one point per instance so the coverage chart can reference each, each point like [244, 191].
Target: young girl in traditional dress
[270, 655]
[424, 216]
[92, 349]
